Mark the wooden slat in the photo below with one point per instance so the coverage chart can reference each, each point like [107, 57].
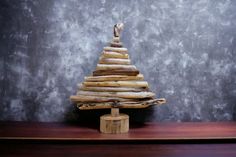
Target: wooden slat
[130, 104]
[113, 78]
[115, 72]
[114, 55]
[116, 44]
[116, 39]
[114, 61]
[87, 98]
[117, 84]
[111, 89]
[115, 49]
[128, 95]
[115, 67]
[108, 106]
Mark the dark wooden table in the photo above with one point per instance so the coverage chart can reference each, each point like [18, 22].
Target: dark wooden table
[151, 139]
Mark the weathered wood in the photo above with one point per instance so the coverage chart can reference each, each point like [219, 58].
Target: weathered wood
[114, 55]
[121, 104]
[115, 67]
[111, 89]
[126, 104]
[128, 95]
[98, 106]
[117, 84]
[114, 61]
[115, 49]
[113, 78]
[86, 99]
[116, 39]
[114, 124]
[115, 72]
[115, 112]
[115, 44]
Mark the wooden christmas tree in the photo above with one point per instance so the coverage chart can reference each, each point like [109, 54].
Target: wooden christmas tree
[115, 83]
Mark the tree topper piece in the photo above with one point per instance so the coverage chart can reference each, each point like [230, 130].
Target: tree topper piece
[117, 29]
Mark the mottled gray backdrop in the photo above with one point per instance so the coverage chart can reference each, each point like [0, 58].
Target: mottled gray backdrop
[185, 49]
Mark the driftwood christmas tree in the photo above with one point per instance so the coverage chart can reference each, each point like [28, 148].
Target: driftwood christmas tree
[115, 83]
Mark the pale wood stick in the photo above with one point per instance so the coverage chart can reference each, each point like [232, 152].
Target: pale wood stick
[117, 52]
[112, 89]
[117, 84]
[113, 78]
[114, 61]
[86, 98]
[114, 55]
[115, 67]
[115, 49]
[128, 95]
[115, 72]
[116, 39]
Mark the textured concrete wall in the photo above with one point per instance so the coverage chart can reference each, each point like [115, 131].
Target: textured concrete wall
[185, 49]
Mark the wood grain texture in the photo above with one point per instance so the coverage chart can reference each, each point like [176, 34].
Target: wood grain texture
[115, 49]
[108, 105]
[116, 44]
[89, 98]
[116, 72]
[114, 55]
[149, 131]
[118, 150]
[134, 84]
[139, 104]
[57, 139]
[114, 61]
[116, 39]
[127, 95]
[115, 67]
[111, 89]
[113, 78]
[114, 124]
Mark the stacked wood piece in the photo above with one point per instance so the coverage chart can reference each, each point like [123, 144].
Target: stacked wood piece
[115, 80]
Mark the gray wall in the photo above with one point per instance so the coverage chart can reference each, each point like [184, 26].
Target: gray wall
[185, 49]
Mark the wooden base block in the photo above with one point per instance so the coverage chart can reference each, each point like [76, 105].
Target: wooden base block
[114, 123]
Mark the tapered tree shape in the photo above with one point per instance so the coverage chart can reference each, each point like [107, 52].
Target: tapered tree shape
[115, 79]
